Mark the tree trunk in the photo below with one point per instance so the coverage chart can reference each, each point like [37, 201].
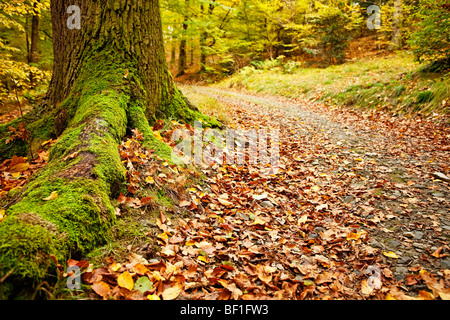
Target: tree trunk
[183, 52]
[173, 53]
[33, 54]
[32, 46]
[203, 37]
[108, 76]
[396, 41]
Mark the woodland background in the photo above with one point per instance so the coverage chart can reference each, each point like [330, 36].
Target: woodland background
[208, 40]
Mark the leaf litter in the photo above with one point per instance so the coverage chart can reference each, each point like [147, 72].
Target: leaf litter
[314, 239]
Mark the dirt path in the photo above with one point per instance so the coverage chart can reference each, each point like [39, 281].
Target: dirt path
[354, 212]
[374, 172]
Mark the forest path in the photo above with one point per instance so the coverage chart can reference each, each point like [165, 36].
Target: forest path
[370, 172]
[353, 212]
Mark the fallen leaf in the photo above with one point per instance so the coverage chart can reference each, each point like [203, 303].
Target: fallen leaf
[140, 269]
[302, 219]
[143, 284]
[265, 272]
[225, 202]
[52, 196]
[365, 288]
[260, 197]
[184, 203]
[425, 295]
[410, 280]
[390, 254]
[438, 254]
[101, 288]
[172, 292]
[236, 293]
[125, 281]
[20, 167]
[157, 135]
[121, 198]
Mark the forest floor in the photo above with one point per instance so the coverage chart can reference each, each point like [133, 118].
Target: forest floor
[356, 211]
[359, 209]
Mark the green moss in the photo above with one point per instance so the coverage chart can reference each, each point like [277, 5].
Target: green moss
[79, 218]
[84, 170]
[40, 129]
[181, 109]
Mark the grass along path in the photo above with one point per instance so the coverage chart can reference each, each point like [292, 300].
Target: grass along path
[394, 83]
[354, 213]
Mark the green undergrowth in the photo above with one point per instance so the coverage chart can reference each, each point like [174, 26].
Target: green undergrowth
[206, 104]
[395, 83]
[181, 108]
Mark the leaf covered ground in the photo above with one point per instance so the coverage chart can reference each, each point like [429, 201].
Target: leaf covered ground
[355, 211]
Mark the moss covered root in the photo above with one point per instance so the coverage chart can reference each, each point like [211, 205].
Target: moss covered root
[65, 210]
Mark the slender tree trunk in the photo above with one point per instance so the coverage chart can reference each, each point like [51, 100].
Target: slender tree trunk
[173, 53]
[396, 41]
[32, 43]
[191, 53]
[182, 57]
[203, 37]
[33, 57]
[108, 76]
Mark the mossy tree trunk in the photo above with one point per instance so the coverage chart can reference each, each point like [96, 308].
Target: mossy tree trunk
[108, 76]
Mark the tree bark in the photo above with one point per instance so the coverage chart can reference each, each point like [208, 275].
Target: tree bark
[32, 44]
[396, 41]
[182, 57]
[108, 76]
[33, 54]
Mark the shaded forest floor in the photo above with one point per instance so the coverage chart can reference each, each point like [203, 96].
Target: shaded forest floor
[355, 211]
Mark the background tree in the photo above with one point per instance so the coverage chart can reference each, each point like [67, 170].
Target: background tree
[20, 69]
[431, 40]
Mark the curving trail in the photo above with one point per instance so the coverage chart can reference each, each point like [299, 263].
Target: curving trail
[354, 211]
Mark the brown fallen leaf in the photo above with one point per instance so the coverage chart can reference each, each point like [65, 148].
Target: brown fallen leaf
[265, 273]
[121, 198]
[236, 293]
[184, 203]
[225, 202]
[365, 288]
[173, 292]
[438, 287]
[410, 280]
[323, 278]
[438, 254]
[101, 288]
